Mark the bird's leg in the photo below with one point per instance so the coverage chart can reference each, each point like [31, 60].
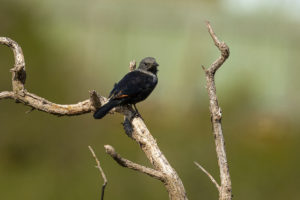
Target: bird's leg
[137, 111]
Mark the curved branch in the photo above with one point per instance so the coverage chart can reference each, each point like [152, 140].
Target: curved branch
[18, 71]
[20, 94]
[225, 192]
[44, 105]
[222, 46]
[131, 165]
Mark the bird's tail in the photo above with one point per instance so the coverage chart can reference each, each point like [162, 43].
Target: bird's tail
[101, 112]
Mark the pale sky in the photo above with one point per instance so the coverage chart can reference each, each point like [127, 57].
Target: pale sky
[291, 8]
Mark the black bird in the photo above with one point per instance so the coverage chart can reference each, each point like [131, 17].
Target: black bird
[134, 87]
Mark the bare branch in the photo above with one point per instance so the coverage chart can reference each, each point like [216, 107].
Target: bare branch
[6, 95]
[21, 95]
[101, 171]
[132, 65]
[44, 105]
[18, 71]
[136, 128]
[225, 192]
[221, 46]
[209, 175]
[95, 99]
[131, 165]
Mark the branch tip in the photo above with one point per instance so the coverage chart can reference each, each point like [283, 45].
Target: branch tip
[109, 149]
[207, 23]
[225, 192]
[95, 99]
[131, 165]
[223, 48]
[132, 65]
[209, 176]
[29, 111]
[101, 171]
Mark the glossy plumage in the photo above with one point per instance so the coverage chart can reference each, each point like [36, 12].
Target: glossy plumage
[134, 87]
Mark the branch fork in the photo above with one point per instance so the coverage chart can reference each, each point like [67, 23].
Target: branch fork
[138, 130]
[225, 189]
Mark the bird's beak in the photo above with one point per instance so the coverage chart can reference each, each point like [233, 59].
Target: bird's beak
[156, 64]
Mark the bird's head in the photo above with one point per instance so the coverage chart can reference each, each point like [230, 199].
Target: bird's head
[149, 64]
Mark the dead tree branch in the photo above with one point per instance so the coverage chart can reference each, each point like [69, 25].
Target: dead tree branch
[225, 190]
[136, 129]
[209, 176]
[131, 165]
[134, 126]
[101, 172]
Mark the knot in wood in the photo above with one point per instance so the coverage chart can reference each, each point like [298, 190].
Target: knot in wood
[224, 50]
[217, 115]
[95, 100]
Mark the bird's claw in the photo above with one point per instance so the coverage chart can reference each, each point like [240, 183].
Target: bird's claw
[137, 114]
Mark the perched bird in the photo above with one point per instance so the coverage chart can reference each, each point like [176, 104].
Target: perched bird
[134, 87]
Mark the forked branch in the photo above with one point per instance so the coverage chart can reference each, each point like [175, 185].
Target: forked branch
[134, 126]
[225, 190]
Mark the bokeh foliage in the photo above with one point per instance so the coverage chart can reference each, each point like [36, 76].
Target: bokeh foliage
[71, 47]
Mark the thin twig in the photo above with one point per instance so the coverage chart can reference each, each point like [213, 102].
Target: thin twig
[29, 111]
[131, 165]
[225, 192]
[209, 175]
[101, 171]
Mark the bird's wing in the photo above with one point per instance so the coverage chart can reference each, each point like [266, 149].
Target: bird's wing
[113, 90]
[131, 85]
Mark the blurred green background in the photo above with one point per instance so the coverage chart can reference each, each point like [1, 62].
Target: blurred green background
[72, 47]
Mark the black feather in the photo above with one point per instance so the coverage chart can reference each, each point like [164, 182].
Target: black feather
[134, 87]
[101, 112]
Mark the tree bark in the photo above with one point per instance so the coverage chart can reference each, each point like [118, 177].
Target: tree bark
[225, 189]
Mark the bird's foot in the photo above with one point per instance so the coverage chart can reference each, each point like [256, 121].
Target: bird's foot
[136, 113]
